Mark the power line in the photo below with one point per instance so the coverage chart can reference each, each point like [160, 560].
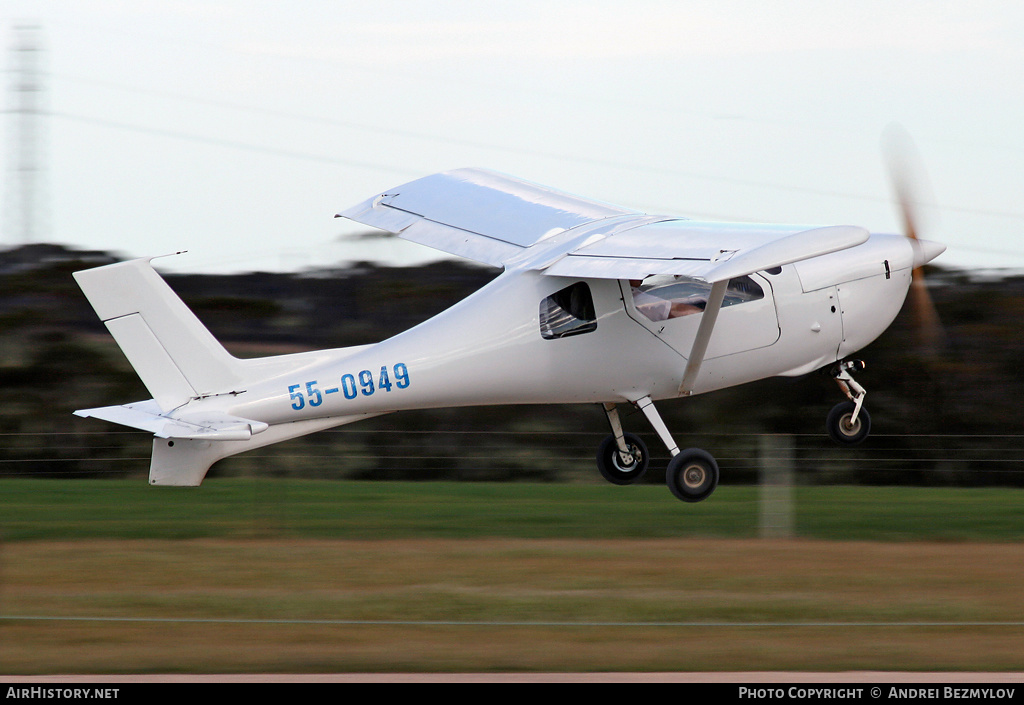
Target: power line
[589, 161]
[220, 142]
[412, 134]
[420, 76]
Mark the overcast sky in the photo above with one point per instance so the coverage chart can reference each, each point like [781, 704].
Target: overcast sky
[236, 130]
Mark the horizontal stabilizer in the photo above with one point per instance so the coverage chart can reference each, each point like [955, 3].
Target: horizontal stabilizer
[209, 426]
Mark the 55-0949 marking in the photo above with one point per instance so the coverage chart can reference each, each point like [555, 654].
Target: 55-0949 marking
[364, 383]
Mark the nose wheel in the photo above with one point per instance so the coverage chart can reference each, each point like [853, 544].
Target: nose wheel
[846, 426]
[849, 422]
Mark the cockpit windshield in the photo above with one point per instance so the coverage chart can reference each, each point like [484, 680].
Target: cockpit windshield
[667, 296]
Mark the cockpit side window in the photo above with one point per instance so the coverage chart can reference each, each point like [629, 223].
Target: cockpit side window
[569, 311]
[662, 297]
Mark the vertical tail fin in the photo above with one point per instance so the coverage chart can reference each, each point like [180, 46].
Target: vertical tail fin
[173, 353]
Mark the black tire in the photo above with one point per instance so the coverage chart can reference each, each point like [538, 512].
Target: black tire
[692, 475]
[839, 428]
[609, 461]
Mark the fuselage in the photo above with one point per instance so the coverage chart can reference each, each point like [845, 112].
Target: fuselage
[500, 346]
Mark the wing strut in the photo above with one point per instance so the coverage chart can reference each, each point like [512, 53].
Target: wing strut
[700, 342]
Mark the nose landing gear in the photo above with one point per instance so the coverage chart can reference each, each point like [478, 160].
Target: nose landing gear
[848, 422]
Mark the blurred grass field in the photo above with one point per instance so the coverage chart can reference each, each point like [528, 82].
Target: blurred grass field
[247, 575]
[282, 508]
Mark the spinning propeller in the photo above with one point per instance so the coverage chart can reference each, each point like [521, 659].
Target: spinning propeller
[929, 328]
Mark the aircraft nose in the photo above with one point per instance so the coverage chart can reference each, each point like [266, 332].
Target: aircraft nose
[925, 250]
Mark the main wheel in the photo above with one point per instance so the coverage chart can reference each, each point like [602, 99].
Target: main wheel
[692, 475]
[613, 468]
[841, 427]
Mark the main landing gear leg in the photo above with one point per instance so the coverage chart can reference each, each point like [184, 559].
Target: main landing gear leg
[622, 457]
[849, 422]
[692, 474]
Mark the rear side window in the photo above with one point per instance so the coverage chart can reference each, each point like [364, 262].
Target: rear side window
[569, 311]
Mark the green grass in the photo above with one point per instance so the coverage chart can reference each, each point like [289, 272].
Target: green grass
[246, 508]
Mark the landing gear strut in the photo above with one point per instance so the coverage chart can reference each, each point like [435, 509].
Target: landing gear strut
[692, 474]
[849, 422]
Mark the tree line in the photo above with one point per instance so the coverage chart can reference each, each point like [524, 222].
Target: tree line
[944, 417]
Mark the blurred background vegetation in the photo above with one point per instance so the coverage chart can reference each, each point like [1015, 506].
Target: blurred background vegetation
[948, 419]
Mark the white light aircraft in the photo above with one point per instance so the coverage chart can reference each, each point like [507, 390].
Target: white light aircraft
[595, 304]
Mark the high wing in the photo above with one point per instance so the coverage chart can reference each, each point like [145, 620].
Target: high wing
[479, 214]
[711, 252]
[493, 218]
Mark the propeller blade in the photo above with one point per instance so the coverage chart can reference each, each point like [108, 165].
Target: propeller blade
[930, 333]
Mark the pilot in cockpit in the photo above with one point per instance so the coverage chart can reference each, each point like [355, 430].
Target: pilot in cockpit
[657, 308]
